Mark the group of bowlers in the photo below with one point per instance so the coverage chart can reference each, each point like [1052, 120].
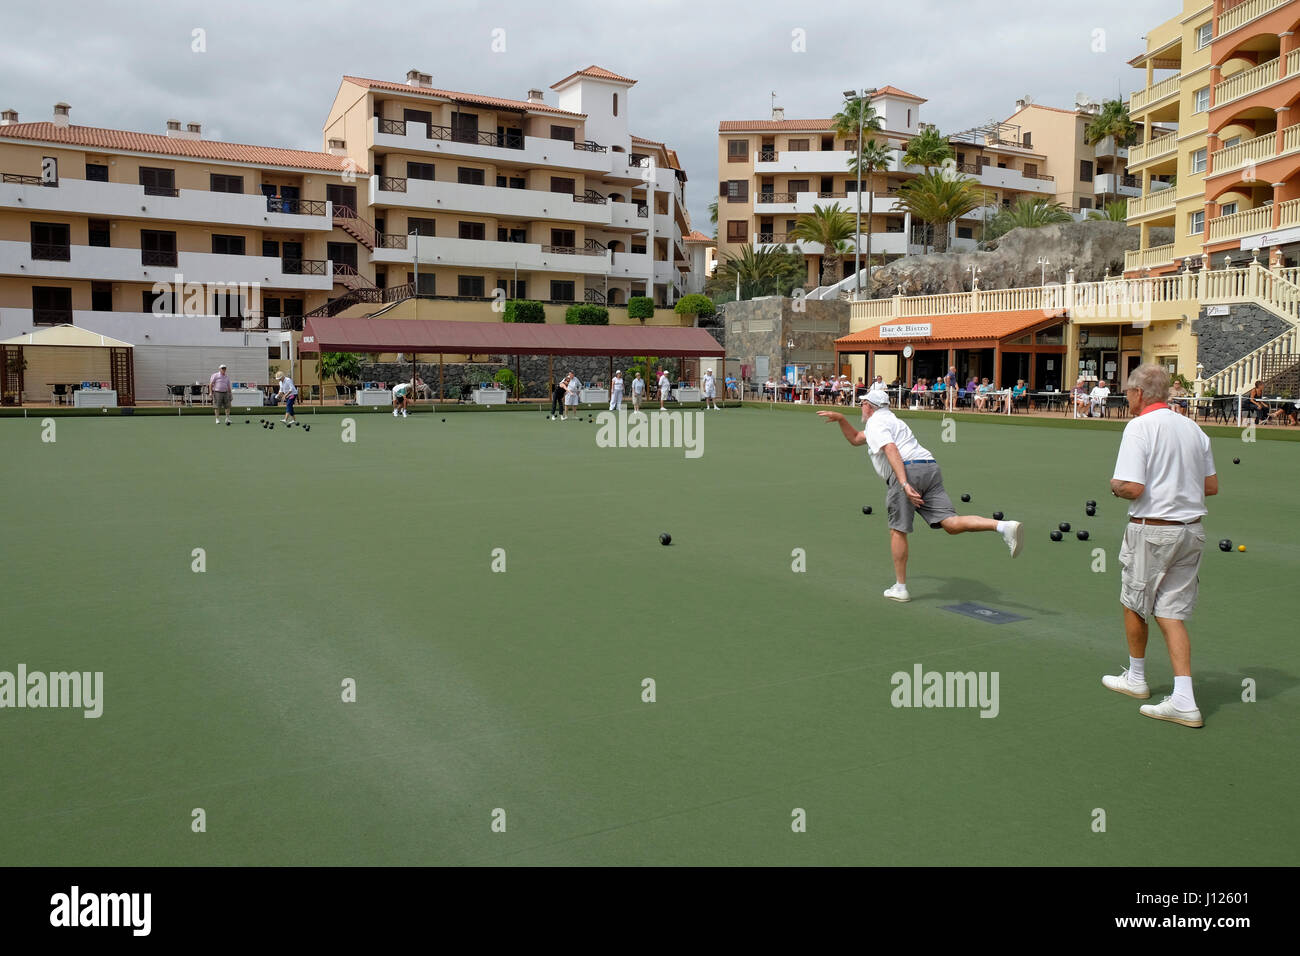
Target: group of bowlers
[567, 392]
[1164, 469]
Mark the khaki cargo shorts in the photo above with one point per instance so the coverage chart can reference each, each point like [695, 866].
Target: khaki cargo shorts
[1160, 569]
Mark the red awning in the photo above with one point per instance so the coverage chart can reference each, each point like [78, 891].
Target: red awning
[427, 336]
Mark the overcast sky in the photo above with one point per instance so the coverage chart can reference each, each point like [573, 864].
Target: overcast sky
[271, 69]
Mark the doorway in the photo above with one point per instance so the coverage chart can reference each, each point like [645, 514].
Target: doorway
[342, 196]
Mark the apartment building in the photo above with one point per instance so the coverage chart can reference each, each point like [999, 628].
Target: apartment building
[772, 171]
[163, 240]
[1088, 176]
[556, 201]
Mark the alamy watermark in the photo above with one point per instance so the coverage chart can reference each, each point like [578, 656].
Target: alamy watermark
[82, 690]
[951, 689]
[675, 429]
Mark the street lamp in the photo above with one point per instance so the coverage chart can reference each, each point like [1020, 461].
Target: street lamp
[975, 272]
[1043, 263]
[850, 96]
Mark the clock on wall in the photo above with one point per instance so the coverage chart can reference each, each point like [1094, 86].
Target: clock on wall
[907, 351]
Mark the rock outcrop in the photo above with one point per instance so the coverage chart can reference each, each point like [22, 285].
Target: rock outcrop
[1089, 248]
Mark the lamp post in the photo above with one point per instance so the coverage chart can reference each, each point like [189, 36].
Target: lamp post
[855, 96]
[974, 277]
[1043, 263]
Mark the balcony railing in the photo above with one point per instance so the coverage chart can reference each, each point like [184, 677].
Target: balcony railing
[772, 237]
[778, 197]
[509, 139]
[1153, 202]
[1246, 82]
[1289, 214]
[303, 267]
[1259, 219]
[161, 191]
[640, 162]
[1149, 258]
[643, 212]
[591, 248]
[51, 316]
[1152, 148]
[52, 251]
[1244, 13]
[1154, 93]
[590, 147]
[296, 207]
[392, 242]
[157, 257]
[17, 179]
[592, 197]
[594, 296]
[1251, 151]
[392, 184]
[767, 156]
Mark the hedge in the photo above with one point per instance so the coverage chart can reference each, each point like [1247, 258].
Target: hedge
[525, 310]
[640, 307]
[694, 304]
[586, 315]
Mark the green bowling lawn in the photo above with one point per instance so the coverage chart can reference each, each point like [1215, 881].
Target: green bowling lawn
[518, 696]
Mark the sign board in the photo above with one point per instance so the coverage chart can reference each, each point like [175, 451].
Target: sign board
[1279, 238]
[905, 331]
[1218, 310]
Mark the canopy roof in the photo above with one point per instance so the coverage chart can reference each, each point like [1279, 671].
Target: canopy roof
[430, 336]
[951, 330]
[67, 335]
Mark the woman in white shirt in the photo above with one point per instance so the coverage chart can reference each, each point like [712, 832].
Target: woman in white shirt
[289, 394]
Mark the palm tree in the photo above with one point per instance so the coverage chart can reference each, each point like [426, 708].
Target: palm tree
[856, 121]
[871, 158]
[939, 200]
[1112, 120]
[830, 226]
[928, 148]
[1028, 213]
[771, 271]
[1111, 212]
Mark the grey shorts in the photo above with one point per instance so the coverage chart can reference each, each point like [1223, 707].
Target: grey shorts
[221, 400]
[1160, 569]
[928, 482]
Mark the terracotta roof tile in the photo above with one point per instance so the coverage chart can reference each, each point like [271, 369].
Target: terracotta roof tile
[735, 126]
[462, 97]
[696, 236]
[595, 72]
[92, 137]
[951, 328]
[895, 91]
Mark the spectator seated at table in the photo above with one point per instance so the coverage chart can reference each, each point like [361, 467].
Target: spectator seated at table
[1287, 410]
[1178, 397]
[1020, 393]
[972, 385]
[982, 392]
[1255, 404]
[1079, 397]
[1097, 399]
[733, 387]
[769, 387]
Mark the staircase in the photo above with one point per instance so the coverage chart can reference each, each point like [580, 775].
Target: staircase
[1279, 358]
[346, 218]
[352, 280]
[1276, 357]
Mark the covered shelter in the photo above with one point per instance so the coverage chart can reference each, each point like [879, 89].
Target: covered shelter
[416, 337]
[52, 363]
[1025, 344]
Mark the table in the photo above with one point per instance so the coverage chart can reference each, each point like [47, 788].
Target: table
[247, 398]
[594, 396]
[95, 398]
[491, 396]
[374, 396]
[687, 394]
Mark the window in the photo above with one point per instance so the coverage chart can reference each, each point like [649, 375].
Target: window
[965, 232]
[99, 233]
[563, 237]
[464, 127]
[469, 176]
[101, 297]
[561, 291]
[1085, 170]
[157, 248]
[427, 286]
[222, 183]
[228, 245]
[1204, 34]
[505, 234]
[97, 172]
[561, 185]
[1232, 141]
[1228, 208]
[514, 182]
[1201, 100]
[615, 104]
[909, 118]
[520, 290]
[469, 286]
[1085, 203]
[1031, 170]
[1196, 223]
[737, 230]
[158, 182]
[417, 116]
[51, 241]
[798, 146]
[471, 230]
[271, 248]
[1027, 141]
[737, 190]
[419, 170]
[227, 305]
[737, 150]
[798, 186]
[421, 227]
[1198, 161]
[157, 303]
[51, 306]
[562, 132]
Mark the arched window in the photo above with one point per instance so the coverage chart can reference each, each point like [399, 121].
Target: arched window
[615, 104]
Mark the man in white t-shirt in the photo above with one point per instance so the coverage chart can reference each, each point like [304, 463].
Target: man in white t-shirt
[616, 392]
[638, 392]
[914, 484]
[1166, 469]
[401, 395]
[710, 391]
[665, 389]
[1097, 398]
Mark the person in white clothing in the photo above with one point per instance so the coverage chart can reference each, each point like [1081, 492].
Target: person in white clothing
[710, 391]
[401, 394]
[638, 392]
[616, 392]
[914, 484]
[1165, 468]
[573, 390]
[1097, 398]
[665, 389]
[289, 394]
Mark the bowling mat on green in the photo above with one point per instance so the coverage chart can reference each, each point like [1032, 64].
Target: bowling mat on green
[539, 681]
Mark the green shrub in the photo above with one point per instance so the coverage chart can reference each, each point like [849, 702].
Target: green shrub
[640, 307]
[586, 315]
[694, 304]
[525, 310]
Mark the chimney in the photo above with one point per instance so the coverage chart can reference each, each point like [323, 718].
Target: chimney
[195, 129]
[535, 96]
[174, 128]
[416, 78]
[1020, 104]
[61, 118]
[338, 147]
[778, 114]
[9, 118]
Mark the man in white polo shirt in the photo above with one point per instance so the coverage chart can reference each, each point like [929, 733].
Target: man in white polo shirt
[710, 391]
[1166, 469]
[1097, 398]
[914, 484]
[219, 385]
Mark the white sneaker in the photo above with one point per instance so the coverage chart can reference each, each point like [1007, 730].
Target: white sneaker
[404, 415]
[394, 413]
[1014, 536]
[564, 418]
[1123, 684]
[1165, 710]
[898, 592]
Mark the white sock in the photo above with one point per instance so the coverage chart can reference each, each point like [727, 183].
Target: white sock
[1137, 669]
[900, 585]
[1183, 698]
[1002, 526]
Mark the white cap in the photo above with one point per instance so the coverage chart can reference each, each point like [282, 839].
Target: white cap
[877, 398]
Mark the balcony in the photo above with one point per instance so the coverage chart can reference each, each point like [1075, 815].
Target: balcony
[82, 197]
[1243, 13]
[491, 254]
[1160, 201]
[1144, 99]
[500, 201]
[510, 148]
[1107, 147]
[1113, 184]
[824, 161]
[1246, 82]
[1154, 149]
[1256, 150]
[1259, 219]
[1150, 258]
